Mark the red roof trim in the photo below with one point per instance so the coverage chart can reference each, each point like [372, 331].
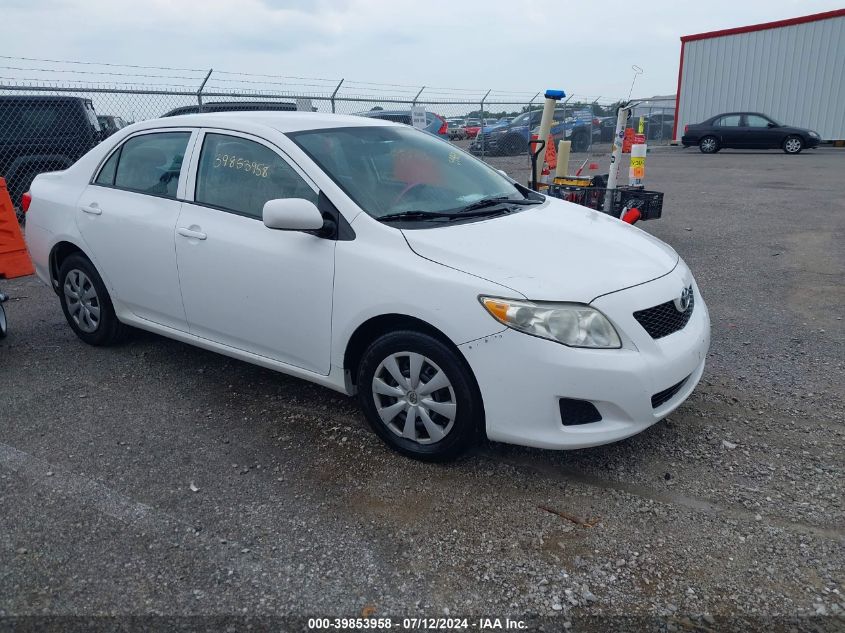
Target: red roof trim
[837, 13]
[678, 92]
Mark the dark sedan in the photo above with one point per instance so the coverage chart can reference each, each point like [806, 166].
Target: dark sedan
[747, 130]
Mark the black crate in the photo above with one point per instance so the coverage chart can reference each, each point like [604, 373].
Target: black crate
[650, 203]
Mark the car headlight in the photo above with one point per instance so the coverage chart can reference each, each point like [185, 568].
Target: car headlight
[572, 324]
[814, 134]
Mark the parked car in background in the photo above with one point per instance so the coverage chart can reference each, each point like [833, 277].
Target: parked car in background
[656, 126]
[472, 127]
[110, 124]
[607, 127]
[43, 133]
[512, 138]
[233, 106]
[747, 130]
[457, 129]
[435, 124]
[372, 259]
[505, 120]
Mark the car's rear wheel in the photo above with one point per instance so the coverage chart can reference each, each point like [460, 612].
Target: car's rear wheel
[4, 326]
[86, 303]
[708, 145]
[793, 145]
[419, 396]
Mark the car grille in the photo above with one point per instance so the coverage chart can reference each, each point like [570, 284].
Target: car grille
[664, 319]
[662, 397]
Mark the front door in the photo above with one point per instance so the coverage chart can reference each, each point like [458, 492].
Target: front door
[762, 133]
[127, 217]
[256, 289]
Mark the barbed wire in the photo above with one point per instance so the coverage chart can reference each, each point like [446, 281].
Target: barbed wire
[327, 83]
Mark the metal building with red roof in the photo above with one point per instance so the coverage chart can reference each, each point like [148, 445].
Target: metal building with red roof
[793, 70]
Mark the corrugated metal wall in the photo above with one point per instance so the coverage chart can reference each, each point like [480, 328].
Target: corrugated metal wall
[795, 74]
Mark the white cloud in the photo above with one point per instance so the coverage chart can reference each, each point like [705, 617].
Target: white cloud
[584, 48]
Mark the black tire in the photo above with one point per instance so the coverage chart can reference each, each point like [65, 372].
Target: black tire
[793, 144]
[709, 145]
[513, 145]
[461, 432]
[108, 329]
[580, 142]
[4, 325]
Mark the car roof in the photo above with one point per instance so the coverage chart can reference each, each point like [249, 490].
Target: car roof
[743, 112]
[281, 121]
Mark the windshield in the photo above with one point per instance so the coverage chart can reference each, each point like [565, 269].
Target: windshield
[391, 170]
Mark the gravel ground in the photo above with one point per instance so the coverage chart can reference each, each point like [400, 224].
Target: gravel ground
[155, 478]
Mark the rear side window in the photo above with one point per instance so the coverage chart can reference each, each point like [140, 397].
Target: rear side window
[37, 120]
[106, 175]
[728, 121]
[239, 175]
[151, 163]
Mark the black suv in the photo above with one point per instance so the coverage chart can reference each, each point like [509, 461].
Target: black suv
[43, 133]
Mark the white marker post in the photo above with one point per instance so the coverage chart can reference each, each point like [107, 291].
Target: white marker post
[552, 97]
[615, 156]
[636, 171]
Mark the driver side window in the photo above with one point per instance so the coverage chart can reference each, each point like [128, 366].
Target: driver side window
[239, 176]
[755, 120]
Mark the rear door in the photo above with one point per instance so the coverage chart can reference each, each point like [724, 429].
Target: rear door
[127, 217]
[730, 130]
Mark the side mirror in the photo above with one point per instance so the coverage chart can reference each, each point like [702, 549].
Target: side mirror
[772, 124]
[292, 214]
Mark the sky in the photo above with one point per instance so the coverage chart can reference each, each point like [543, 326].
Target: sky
[457, 47]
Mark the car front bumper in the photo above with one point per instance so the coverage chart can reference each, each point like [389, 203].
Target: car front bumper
[522, 378]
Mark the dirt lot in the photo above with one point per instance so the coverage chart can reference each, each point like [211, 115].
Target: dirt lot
[728, 515]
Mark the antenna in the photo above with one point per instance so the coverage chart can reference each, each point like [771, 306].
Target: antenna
[637, 71]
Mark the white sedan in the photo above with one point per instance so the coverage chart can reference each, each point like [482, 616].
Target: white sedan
[377, 260]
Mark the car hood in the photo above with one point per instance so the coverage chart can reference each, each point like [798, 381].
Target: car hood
[558, 251]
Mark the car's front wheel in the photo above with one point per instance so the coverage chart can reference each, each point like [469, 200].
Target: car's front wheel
[793, 145]
[580, 142]
[419, 396]
[512, 145]
[708, 145]
[86, 302]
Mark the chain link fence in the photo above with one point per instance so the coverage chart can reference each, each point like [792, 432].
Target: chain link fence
[52, 112]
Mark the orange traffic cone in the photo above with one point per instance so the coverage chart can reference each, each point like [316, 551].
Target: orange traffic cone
[14, 259]
[551, 153]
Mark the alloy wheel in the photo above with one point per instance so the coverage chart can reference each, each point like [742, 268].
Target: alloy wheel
[708, 145]
[793, 145]
[414, 397]
[83, 304]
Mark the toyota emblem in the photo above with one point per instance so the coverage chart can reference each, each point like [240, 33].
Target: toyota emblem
[682, 302]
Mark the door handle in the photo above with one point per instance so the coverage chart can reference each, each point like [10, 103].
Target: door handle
[93, 209]
[185, 232]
